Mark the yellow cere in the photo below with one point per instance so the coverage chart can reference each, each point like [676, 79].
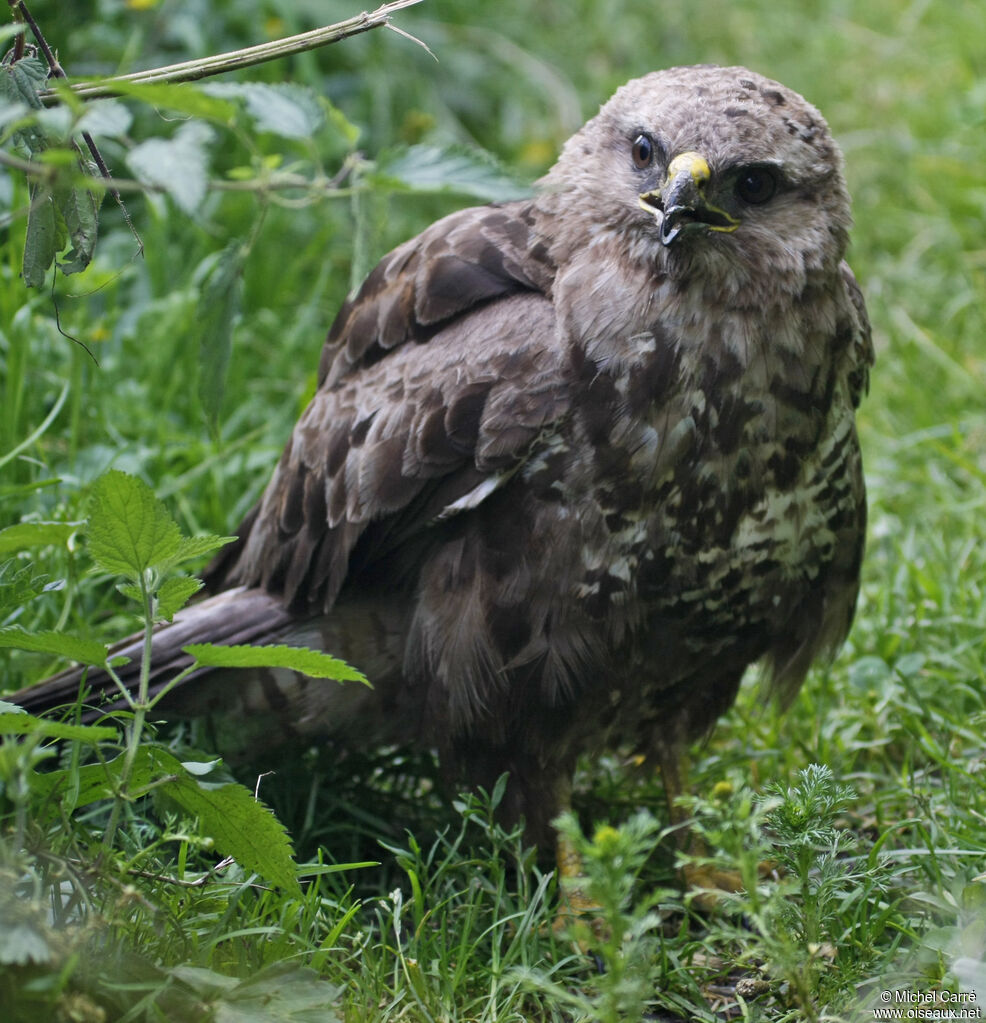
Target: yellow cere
[694, 163]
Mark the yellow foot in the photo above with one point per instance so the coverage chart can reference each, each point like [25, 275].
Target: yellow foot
[711, 882]
[578, 915]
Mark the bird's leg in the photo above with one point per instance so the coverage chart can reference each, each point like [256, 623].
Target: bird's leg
[695, 874]
[574, 902]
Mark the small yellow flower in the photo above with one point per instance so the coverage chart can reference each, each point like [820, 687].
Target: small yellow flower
[606, 838]
[722, 790]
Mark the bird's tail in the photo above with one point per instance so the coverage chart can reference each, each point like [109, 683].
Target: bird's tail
[233, 617]
[256, 706]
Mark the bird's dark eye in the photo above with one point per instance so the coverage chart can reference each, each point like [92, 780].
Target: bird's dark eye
[643, 152]
[756, 185]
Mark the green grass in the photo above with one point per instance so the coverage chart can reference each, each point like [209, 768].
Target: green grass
[455, 923]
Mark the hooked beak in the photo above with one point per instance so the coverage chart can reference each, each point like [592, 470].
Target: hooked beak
[680, 203]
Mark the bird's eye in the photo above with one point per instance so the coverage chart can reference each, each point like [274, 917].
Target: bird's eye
[756, 185]
[643, 152]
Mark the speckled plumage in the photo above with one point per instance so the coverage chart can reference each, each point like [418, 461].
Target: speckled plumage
[564, 480]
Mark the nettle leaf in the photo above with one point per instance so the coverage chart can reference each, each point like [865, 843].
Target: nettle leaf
[178, 166]
[192, 547]
[75, 648]
[78, 209]
[59, 214]
[43, 240]
[240, 824]
[129, 529]
[22, 941]
[285, 109]
[36, 534]
[282, 992]
[313, 663]
[173, 594]
[105, 119]
[219, 303]
[457, 168]
[19, 722]
[193, 100]
[92, 783]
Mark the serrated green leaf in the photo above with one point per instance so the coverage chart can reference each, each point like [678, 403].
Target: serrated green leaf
[22, 723]
[25, 535]
[10, 708]
[92, 782]
[174, 593]
[75, 648]
[241, 825]
[283, 108]
[218, 310]
[457, 169]
[79, 209]
[22, 942]
[178, 166]
[313, 663]
[129, 529]
[192, 547]
[282, 992]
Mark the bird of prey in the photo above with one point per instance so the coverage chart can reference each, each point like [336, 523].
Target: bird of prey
[574, 462]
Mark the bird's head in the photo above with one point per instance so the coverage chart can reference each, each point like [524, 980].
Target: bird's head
[703, 170]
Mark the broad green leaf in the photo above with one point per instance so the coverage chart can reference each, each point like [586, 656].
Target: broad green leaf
[174, 593]
[129, 529]
[282, 992]
[186, 98]
[240, 824]
[22, 723]
[456, 169]
[10, 708]
[35, 534]
[79, 210]
[59, 214]
[218, 310]
[192, 547]
[95, 781]
[283, 108]
[42, 241]
[75, 648]
[22, 941]
[206, 983]
[105, 118]
[178, 166]
[313, 663]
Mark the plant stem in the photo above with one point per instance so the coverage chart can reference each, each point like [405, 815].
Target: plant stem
[205, 67]
[140, 708]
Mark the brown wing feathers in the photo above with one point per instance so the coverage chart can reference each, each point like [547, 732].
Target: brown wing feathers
[407, 435]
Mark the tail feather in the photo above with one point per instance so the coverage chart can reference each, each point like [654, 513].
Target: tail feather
[260, 707]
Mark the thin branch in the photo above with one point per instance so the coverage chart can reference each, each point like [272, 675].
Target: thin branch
[205, 67]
